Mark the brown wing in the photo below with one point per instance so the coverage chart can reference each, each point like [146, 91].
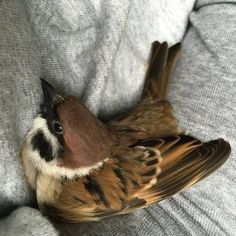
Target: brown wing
[153, 117]
[186, 161]
[138, 177]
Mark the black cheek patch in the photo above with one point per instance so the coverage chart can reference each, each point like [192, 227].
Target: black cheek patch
[40, 144]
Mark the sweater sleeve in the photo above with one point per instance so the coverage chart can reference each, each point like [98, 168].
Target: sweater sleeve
[26, 221]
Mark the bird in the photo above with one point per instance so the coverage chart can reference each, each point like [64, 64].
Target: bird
[83, 169]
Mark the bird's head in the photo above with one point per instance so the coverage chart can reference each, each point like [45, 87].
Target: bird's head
[66, 139]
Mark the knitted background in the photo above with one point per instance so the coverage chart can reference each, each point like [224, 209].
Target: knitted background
[97, 50]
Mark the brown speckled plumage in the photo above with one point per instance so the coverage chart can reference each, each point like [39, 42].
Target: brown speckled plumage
[145, 155]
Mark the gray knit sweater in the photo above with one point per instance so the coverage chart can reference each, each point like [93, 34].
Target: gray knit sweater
[97, 50]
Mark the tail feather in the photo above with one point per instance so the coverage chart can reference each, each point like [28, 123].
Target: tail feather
[160, 69]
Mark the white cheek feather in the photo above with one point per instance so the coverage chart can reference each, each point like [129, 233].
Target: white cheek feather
[40, 123]
[51, 168]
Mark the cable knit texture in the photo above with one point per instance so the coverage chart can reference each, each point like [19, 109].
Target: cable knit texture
[97, 50]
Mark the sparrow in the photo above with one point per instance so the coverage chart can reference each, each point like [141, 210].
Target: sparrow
[83, 169]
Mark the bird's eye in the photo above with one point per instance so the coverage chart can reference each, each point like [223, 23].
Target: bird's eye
[57, 128]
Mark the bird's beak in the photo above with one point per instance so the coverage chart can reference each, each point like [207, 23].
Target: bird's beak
[50, 94]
